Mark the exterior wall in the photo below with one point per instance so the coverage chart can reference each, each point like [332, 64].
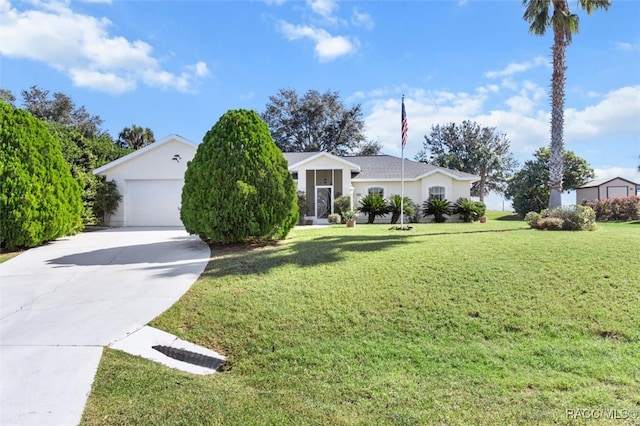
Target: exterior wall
[157, 163]
[607, 190]
[588, 194]
[417, 191]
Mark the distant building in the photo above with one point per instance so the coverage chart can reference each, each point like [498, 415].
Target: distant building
[602, 189]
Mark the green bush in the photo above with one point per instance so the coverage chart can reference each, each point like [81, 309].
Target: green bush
[469, 210]
[348, 215]
[237, 187]
[374, 205]
[106, 200]
[334, 218]
[550, 224]
[531, 218]
[342, 203]
[40, 200]
[398, 203]
[566, 218]
[302, 206]
[438, 208]
[623, 208]
[415, 216]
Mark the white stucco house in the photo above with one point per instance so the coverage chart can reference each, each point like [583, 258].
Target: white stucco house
[326, 177]
[150, 181]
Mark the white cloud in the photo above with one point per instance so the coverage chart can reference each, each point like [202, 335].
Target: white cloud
[516, 68]
[80, 46]
[627, 46]
[362, 19]
[522, 114]
[328, 47]
[92, 79]
[617, 112]
[323, 8]
[613, 172]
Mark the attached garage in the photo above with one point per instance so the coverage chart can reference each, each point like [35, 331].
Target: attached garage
[153, 202]
[150, 181]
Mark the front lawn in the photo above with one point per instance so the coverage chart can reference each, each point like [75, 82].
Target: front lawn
[451, 324]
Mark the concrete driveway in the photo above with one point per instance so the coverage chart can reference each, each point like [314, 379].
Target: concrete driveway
[60, 304]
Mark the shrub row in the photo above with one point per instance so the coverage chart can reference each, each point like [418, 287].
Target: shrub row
[623, 208]
[563, 218]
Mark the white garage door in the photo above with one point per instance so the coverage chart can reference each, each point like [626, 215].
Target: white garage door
[617, 191]
[153, 202]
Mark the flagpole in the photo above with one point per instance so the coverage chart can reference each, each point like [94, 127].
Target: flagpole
[404, 135]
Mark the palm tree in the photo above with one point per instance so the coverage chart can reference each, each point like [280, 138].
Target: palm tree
[556, 14]
[374, 205]
[398, 205]
[135, 137]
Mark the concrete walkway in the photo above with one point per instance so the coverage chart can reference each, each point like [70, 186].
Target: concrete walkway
[60, 304]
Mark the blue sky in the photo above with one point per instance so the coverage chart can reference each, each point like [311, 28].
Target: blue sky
[177, 66]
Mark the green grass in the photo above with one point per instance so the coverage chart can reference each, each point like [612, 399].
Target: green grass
[452, 324]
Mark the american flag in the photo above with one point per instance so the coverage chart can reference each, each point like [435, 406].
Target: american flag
[405, 126]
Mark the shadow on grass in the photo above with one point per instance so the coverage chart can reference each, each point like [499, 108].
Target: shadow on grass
[510, 216]
[323, 250]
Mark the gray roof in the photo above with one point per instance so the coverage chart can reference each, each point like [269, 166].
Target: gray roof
[390, 167]
[597, 182]
[385, 167]
[296, 157]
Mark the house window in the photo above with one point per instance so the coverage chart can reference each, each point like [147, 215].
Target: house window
[376, 191]
[436, 192]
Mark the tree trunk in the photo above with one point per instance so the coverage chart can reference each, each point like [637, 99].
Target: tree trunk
[557, 117]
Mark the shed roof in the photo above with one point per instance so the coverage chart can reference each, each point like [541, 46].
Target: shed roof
[599, 182]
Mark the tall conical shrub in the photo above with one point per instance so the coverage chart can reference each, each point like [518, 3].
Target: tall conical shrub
[39, 199]
[237, 188]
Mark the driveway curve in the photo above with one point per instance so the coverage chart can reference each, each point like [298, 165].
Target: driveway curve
[61, 303]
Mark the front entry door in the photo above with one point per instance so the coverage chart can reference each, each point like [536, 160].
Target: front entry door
[324, 201]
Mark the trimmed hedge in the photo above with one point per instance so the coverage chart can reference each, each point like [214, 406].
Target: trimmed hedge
[238, 188]
[40, 200]
[622, 209]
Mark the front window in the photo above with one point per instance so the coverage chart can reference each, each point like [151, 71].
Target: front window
[436, 192]
[376, 191]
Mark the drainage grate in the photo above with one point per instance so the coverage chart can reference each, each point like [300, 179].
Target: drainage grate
[191, 357]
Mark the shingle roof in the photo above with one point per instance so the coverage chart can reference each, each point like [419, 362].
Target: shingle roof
[296, 157]
[390, 167]
[385, 167]
[597, 182]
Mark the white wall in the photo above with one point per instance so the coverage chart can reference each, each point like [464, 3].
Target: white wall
[156, 163]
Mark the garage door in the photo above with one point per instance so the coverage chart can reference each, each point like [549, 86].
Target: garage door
[153, 202]
[617, 191]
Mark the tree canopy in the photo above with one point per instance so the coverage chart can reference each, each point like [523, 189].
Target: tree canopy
[369, 148]
[135, 137]
[237, 188]
[529, 187]
[314, 122]
[40, 200]
[61, 109]
[467, 147]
